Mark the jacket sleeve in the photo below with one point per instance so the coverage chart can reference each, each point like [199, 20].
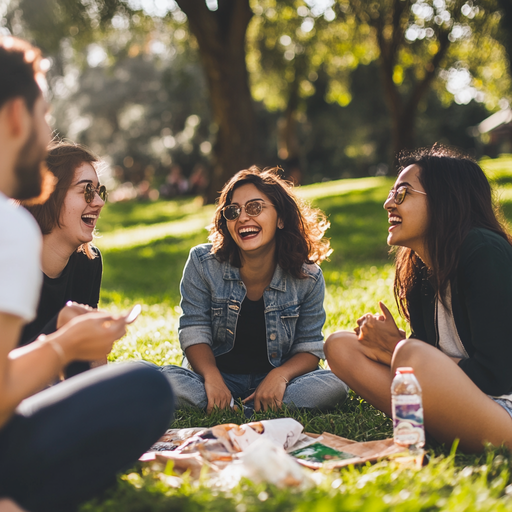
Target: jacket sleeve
[195, 325]
[308, 331]
[485, 291]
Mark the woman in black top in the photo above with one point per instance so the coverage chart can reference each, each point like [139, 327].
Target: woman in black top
[453, 284]
[71, 265]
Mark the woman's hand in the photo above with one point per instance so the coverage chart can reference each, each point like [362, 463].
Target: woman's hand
[217, 393]
[70, 311]
[269, 394]
[89, 336]
[202, 360]
[379, 335]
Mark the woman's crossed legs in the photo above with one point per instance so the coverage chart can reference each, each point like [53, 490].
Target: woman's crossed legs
[454, 407]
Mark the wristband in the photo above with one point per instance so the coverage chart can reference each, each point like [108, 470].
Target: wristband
[285, 380]
[58, 350]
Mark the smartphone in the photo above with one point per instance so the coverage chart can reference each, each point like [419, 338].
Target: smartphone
[133, 314]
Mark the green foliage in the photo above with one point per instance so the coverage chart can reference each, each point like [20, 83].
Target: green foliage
[290, 42]
[143, 103]
[357, 277]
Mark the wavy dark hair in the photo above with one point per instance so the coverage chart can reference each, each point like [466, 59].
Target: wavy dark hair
[459, 198]
[300, 241]
[63, 159]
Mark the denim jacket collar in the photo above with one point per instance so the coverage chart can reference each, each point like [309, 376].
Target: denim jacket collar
[212, 293]
[278, 281]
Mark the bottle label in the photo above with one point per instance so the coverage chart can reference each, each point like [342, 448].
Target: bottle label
[408, 427]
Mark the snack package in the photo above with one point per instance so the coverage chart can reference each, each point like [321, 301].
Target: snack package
[285, 432]
[318, 452]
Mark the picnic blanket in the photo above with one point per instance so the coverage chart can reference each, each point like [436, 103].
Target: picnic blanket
[275, 451]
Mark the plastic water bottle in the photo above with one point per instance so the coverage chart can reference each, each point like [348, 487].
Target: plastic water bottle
[407, 410]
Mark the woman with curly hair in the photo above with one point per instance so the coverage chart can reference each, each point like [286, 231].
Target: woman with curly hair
[453, 283]
[252, 303]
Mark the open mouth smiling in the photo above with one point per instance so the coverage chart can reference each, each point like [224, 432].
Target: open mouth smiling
[89, 219]
[248, 232]
[394, 220]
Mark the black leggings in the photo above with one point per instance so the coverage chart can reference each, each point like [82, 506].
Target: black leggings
[66, 443]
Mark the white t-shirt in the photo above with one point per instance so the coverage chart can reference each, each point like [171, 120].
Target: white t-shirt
[449, 340]
[20, 261]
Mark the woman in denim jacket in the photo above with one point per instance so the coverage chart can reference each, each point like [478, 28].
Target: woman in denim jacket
[252, 303]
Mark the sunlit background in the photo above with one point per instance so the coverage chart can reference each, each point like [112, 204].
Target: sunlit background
[328, 99]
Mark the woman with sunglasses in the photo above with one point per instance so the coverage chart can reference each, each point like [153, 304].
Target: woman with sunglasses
[252, 303]
[453, 284]
[71, 265]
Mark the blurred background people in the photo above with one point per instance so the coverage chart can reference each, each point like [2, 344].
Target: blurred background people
[175, 183]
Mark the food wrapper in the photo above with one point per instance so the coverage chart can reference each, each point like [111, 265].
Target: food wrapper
[257, 450]
[284, 432]
[223, 442]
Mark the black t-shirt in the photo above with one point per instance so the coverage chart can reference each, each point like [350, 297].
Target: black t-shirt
[80, 282]
[249, 354]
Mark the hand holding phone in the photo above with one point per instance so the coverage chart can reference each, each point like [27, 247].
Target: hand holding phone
[133, 314]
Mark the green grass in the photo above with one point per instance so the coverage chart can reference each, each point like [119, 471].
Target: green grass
[145, 247]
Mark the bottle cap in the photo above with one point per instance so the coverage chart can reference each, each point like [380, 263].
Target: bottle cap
[405, 369]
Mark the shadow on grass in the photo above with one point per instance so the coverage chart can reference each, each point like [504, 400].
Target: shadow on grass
[358, 229]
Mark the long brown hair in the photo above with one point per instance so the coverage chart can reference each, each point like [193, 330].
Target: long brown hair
[63, 160]
[300, 241]
[459, 198]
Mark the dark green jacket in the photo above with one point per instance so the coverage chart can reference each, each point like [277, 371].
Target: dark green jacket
[482, 310]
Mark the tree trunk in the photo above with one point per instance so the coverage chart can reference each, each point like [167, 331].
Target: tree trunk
[390, 26]
[221, 38]
[403, 132]
[288, 142]
[506, 28]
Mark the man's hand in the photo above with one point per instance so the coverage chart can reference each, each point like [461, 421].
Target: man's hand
[269, 394]
[379, 335]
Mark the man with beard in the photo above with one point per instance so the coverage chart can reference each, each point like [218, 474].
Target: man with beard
[64, 444]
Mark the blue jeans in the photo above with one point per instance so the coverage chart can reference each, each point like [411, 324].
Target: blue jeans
[65, 444]
[319, 389]
[506, 404]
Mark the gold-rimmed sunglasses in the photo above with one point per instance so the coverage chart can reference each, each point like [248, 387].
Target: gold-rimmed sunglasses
[90, 190]
[252, 208]
[399, 194]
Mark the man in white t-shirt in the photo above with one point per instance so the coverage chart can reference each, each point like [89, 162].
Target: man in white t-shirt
[61, 445]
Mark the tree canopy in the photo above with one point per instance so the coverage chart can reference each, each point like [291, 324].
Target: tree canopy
[230, 83]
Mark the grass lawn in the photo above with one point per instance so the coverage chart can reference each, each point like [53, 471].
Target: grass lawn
[144, 249]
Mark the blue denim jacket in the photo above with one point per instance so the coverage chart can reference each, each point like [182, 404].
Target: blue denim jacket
[212, 294]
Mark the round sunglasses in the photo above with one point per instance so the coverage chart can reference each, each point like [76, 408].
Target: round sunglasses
[89, 192]
[399, 194]
[252, 208]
